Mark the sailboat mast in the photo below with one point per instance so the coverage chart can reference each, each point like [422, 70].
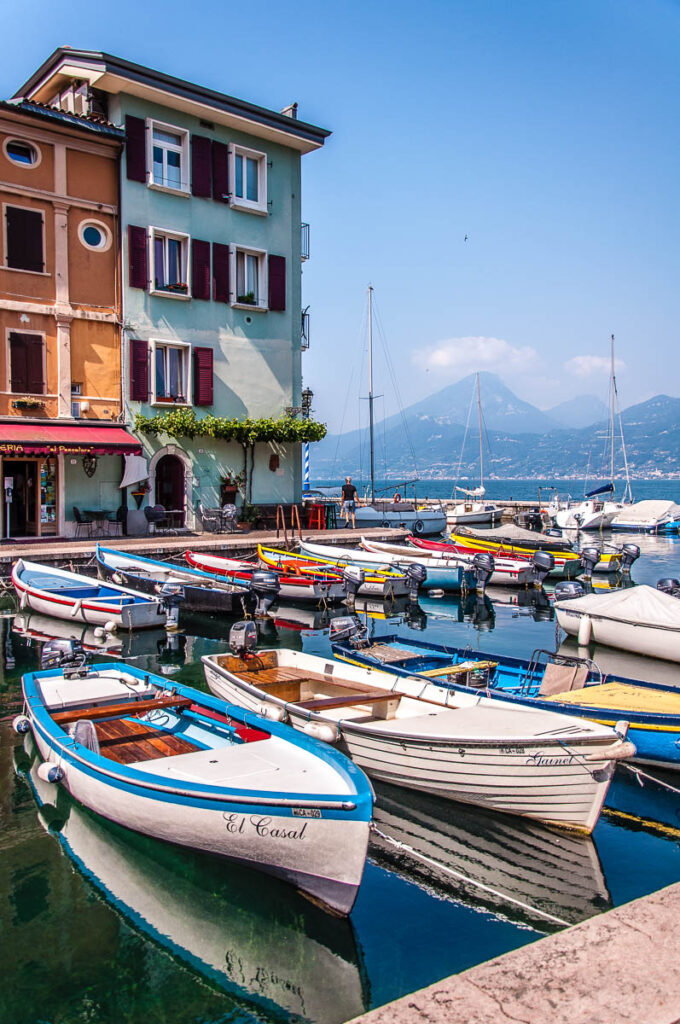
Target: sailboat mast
[612, 394]
[481, 446]
[370, 388]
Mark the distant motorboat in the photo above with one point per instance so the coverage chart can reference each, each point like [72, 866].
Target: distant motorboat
[648, 516]
[423, 520]
[473, 508]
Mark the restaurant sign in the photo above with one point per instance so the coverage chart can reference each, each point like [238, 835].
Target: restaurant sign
[39, 448]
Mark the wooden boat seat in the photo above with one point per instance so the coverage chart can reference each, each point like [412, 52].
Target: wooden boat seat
[133, 707]
[347, 700]
[461, 669]
[126, 740]
[562, 679]
[387, 654]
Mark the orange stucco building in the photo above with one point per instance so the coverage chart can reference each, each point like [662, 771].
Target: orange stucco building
[60, 322]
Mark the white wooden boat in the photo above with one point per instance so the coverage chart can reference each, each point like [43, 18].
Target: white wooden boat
[292, 586]
[384, 584]
[641, 619]
[459, 745]
[176, 764]
[508, 572]
[448, 574]
[71, 596]
[206, 915]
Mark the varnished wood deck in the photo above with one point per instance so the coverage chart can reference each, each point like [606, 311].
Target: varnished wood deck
[126, 740]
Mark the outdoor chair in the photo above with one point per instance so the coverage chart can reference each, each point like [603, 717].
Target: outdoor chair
[211, 518]
[155, 517]
[83, 523]
[116, 520]
[229, 517]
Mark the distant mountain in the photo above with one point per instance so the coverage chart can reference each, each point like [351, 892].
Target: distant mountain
[520, 440]
[583, 411]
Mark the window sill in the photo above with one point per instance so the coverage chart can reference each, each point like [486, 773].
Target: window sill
[259, 211]
[170, 295]
[248, 307]
[19, 270]
[185, 193]
[168, 403]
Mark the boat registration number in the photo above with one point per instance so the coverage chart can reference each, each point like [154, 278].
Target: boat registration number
[306, 812]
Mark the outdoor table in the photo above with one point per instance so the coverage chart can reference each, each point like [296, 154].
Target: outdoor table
[101, 516]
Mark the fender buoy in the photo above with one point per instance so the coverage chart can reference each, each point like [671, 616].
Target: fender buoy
[418, 527]
[48, 771]
[585, 630]
[273, 713]
[320, 731]
[21, 724]
[24, 600]
[76, 608]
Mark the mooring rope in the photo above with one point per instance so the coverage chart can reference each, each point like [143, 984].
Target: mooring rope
[652, 778]
[465, 878]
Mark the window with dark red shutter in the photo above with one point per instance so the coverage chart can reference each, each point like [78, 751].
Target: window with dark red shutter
[24, 233]
[135, 148]
[137, 257]
[203, 376]
[277, 283]
[200, 269]
[139, 370]
[26, 364]
[220, 272]
[201, 166]
[220, 172]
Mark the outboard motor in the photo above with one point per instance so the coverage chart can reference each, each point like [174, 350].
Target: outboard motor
[589, 558]
[629, 554]
[414, 616]
[483, 565]
[62, 654]
[669, 585]
[243, 638]
[543, 563]
[416, 574]
[348, 627]
[353, 577]
[265, 585]
[565, 590]
[171, 597]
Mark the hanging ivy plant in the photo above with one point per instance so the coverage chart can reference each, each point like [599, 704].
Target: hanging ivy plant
[184, 423]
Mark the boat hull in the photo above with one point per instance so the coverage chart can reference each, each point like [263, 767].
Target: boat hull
[384, 585]
[640, 638]
[291, 588]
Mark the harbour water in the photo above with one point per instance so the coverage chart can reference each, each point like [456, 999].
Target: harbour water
[103, 925]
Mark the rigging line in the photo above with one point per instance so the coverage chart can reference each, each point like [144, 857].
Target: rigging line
[462, 447]
[464, 878]
[395, 385]
[358, 343]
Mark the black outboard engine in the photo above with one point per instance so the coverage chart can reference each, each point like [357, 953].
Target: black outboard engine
[348, 627]
[669, 585]
[265, 585]
[565, 590]
[629, 554]
[62, 654]
[416, 574]
[589, 558]
[171, 597]
[353, 577]
[243, 638]
[414, 616]
[543, 563]
[483, 565]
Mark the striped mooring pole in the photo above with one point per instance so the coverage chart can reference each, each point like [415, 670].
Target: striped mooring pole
[305, 466]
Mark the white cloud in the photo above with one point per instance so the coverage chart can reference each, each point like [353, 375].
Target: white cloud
[591, 366]
[461, 356]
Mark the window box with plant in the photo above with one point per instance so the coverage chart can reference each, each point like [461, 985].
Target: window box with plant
[28, 403]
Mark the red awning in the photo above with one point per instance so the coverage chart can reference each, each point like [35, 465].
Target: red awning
[19, 439]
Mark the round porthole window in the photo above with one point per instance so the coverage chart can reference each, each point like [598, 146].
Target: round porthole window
[94, 235]
[20, 152]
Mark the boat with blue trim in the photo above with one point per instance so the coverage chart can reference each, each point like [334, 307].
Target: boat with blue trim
[551, 682]
[176, 764]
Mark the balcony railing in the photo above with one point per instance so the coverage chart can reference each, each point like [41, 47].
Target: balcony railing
[304, 241]
[304, 329]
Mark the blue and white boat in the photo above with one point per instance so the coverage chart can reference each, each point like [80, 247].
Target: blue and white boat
[451, 576]
[568, 685]
[179, 765]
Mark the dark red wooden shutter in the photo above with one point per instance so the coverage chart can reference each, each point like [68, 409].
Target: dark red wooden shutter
[135, 148]
[24, 239]
[18, 367]
[137, 258]
[220, 272]
[26, 364]
[277, 283]
[201, 184]
[220, 172]
[200, 269]
[203, 376]
[139, 370]
[34, 366]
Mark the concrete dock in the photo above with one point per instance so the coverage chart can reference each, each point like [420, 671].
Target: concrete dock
[618, 968]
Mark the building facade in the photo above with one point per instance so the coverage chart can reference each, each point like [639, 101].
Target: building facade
[210, 269]
[61, 402]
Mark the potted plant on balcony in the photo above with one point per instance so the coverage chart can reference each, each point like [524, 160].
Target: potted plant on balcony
[230, 486]
[248, 299]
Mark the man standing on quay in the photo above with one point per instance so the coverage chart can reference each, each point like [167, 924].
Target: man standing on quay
[349, 503]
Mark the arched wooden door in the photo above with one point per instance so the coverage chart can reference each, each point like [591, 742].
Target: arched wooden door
[170, 486]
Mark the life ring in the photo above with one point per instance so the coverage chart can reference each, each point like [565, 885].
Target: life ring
[418, 527]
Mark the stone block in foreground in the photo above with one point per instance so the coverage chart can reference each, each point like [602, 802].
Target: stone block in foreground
[621, 967]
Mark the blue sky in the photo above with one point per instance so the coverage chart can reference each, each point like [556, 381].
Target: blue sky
[544, 130]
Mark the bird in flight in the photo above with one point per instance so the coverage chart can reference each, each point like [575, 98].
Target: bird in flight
[465, 239]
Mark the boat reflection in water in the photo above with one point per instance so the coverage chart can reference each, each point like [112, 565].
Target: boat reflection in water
[613, 662]
[476, 609]
[255, 938]
[533, 603]
[647, 802]
[556, 873]
[124, 644]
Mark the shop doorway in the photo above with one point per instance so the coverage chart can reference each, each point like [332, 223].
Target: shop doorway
[24, 508]
[170, 486]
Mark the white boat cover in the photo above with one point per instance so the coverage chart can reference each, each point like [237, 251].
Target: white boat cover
[649, 511]
[516, 535]
[644, 605]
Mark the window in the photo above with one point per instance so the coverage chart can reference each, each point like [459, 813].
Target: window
[249, 275]
[20, 152]
[169, 253]
[94, 235]
[171, 372]
[169, 157]
[27, 363]
[248, 175]
[24, 239]
[76, 392]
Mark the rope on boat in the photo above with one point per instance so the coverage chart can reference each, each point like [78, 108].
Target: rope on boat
[465, 878]
[639, 774]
